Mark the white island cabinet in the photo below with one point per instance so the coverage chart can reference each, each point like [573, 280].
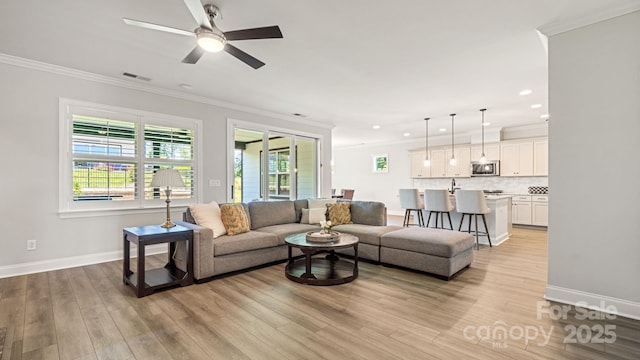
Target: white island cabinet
[498, 220]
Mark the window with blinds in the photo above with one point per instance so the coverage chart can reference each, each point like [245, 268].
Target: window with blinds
[111, 156]
[104, 159]
[168, 147]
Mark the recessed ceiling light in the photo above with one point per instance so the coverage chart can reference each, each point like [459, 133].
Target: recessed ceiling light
[536, 106]
[443, 129]
[544, 116]
[376, 127]
[486, 123]
[526, 92]
[186, 86]
[406, 134]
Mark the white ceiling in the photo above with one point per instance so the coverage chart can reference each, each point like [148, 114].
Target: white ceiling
[351, 63]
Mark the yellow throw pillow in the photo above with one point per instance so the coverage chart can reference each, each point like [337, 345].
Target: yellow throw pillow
[234, 218]
[339, 213]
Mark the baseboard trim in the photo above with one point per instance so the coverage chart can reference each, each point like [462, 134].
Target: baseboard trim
[625, 308]
[73, 261]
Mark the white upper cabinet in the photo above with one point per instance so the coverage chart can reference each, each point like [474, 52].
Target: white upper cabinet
[527, 157]
[491, 151]
[418, 170]
[463, 162]
[541, 157]
[439, 163]
[516, 158]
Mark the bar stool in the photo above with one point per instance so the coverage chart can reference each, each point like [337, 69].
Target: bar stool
[437, 201]
[410, 200]
[472, 203]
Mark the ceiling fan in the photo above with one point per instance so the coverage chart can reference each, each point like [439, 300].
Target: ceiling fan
[210, 38]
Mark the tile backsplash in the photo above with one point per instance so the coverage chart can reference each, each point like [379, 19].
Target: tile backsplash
[510, 185]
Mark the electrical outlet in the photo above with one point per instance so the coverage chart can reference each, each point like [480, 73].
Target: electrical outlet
[31, 245]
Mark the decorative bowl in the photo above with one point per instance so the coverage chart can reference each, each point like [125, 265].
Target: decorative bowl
[322, 237]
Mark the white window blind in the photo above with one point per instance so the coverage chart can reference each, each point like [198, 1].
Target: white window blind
[109, 156]
[168, 147]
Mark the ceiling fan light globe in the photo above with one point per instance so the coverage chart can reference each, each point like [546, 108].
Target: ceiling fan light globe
[211, 41]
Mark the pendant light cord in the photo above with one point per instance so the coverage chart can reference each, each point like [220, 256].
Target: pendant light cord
[482, 127]
[453, 153]
[426, 139]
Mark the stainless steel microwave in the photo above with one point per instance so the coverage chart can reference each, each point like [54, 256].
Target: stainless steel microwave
[490, 168]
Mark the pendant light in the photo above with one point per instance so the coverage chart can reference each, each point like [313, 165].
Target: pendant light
[452, 161]
[483, 158]
[427, 162]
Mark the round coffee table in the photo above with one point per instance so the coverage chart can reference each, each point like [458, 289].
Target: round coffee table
[328, 270]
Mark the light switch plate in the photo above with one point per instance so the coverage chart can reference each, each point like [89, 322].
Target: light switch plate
[215, 182]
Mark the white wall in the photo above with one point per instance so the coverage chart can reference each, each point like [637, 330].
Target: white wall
[353, 169]
[29, 138]
[594, 145]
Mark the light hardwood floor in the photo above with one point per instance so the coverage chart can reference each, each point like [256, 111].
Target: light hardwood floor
[387, 313]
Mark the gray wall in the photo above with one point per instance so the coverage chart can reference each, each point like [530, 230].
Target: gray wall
[29, 138]
[594, 145]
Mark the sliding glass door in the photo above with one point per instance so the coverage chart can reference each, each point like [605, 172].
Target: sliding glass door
[270, 165]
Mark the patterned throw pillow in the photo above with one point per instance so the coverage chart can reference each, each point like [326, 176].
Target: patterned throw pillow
[234, 218]
[339, 213]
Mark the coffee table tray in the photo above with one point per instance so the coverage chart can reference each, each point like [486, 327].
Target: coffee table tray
[320, 237]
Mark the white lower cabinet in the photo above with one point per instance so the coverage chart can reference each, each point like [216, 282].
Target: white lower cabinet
[530, 210]
[540, 210]
[521, 210]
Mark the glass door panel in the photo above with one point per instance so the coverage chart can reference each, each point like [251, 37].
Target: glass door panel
[247, 165]
[306, 167]
[288, 171]
[280, 158]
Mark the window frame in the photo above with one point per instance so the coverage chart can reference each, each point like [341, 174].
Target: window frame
[69, 208]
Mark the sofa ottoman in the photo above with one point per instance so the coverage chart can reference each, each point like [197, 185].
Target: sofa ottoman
[437, 251]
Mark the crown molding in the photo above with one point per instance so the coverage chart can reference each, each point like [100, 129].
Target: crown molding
[128, 84]
[573, 22]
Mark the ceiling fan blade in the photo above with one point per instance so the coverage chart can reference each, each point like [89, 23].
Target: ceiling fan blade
[194, 55]
[197, 10]
[151, 26]
[243, 56]
[268, 32]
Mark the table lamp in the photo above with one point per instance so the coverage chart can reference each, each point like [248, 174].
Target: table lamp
[167, 178]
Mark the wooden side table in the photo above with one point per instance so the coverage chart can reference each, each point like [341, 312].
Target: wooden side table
[145, 282]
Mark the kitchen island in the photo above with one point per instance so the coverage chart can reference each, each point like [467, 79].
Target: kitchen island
[498, 220]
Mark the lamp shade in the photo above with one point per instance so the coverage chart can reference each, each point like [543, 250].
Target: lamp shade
[167, 177]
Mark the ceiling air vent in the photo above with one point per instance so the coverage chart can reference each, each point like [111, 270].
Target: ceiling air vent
[134, 76]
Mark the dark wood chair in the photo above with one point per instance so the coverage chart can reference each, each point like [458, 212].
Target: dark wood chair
[347, 193]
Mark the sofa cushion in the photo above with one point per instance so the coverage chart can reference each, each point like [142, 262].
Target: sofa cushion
[339, 213]
[284, 230]
[312, 216]
[299, 205]
[267, 213]
[247, 241]
[366, 233]
[438, 242]
[234, 218]
[368, 213]
[320, 203]
[209, 216]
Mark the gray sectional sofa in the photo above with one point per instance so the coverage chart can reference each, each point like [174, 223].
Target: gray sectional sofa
[441, 252]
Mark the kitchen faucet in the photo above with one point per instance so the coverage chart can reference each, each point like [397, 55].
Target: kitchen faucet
[453, 185]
